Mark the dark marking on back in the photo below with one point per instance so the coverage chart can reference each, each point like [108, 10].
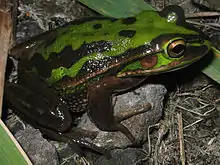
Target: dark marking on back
[41, 65]
[67, 57]
[87, 34]
[49, 38]
[127, 33]
[97, 26]
[129, 20]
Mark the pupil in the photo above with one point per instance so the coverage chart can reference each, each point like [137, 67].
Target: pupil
[178, 49]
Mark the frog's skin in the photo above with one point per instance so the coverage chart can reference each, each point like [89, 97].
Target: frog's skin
[78, 67]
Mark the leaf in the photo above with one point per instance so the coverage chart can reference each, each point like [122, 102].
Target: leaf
[10, 151]
[213, 70]
[117, 8]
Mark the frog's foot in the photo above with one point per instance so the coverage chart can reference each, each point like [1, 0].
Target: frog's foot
[75, 132]
[100, 104]
[124, 115]
[76, 142]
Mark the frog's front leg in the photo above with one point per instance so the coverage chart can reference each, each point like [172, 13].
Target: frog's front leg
[101, 110]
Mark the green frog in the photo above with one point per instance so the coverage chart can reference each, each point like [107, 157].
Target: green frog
[77, 68]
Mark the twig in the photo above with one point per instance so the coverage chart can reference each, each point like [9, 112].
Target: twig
[197, 121]
[149, 144]
[181, 139]
[217, 100]
[206, 87]
[80, 160]
[5, 42]
[27, 10]
[144, 159]
[197, 92]
[196, 147]
[204, 25]
[193, 110]
[202, 14]
[187, 94]
[192, 124]
[162, 131]
[148, 136]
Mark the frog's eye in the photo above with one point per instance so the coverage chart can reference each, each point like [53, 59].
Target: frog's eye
[176, 48]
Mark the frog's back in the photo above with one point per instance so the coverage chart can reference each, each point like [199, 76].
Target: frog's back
[87, 48]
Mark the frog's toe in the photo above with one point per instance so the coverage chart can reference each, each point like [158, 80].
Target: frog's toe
[124, 115]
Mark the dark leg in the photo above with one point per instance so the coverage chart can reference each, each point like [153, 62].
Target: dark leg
[76, 139]
[100, 104]
[36, 109]
[41, 107]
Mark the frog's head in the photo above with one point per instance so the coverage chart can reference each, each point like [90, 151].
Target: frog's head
[174, 44]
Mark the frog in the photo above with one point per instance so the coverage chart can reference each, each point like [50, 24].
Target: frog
[79, 67]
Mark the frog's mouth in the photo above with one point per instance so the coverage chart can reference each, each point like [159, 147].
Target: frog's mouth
[191, 55]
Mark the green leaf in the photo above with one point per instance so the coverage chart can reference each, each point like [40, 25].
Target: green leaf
[213, 69]
[9, 152]
[117, 8]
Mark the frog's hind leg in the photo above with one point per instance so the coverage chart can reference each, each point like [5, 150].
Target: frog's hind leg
[44, 110]
[35, 109]
[100, 104]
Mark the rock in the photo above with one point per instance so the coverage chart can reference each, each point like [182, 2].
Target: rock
[26, 30]
[68, 156]
[129, 156]
[153, 94]
[38, 149]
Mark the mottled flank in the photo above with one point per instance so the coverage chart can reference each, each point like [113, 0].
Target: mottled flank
[128, 21]
[77, 102]
[97, 26]
[95, 65]
[127, 33]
